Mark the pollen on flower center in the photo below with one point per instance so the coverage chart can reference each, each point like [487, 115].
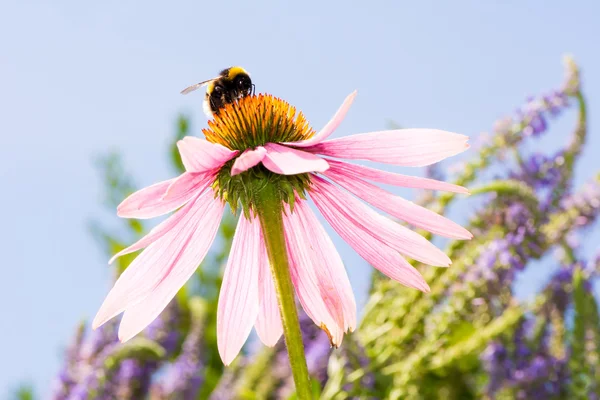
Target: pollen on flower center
[255, 121]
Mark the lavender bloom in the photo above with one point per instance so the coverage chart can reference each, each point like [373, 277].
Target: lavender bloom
[528, 369]
[533, 113]
[66, 377]
[185, 375]
[531, 376]
[559, 296]
[540, 171]
[497, 365]
[85, 375]
[556, 102]
[62, 385]
[549, 375]
[80, 360]
[114, 368]
[540, 379]
[521, 350]
[128, 372]
[132, 380]
[533, 117]
[317, 349]
[98, 340]
[317, 355]
[317, 346]
[91, 385]
[586, 202]
[496, 267]
[164, 329]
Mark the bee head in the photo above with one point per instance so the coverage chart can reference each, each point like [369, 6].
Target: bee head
[232, 84]
[238, 80]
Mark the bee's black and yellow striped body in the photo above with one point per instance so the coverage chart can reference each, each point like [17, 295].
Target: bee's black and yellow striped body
[232, 84]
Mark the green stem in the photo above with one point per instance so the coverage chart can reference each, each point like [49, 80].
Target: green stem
[270, 213]
[579, 386]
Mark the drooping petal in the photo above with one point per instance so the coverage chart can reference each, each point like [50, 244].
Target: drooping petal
[248, 159]
[287, 161]
[375, 252]
[314, 287]
[385, 230]
[199, 155]
[147, 202]
[391, 178]
[268, 322]
[238, 299]
[330, 127]
[164, 197]
[331, 263]
[176, 251]
[405, 147]
[188, 184]
[157, 232]
[400, 208]
[182, 267]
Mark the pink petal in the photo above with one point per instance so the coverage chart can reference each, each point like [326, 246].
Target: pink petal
[312, 279]
[188, 184]
[268, 323]
[157, 232]
[199, 155]
[391, 178]
[181, 267]
[406, 147]
[376, 253]
[238, 299]
[248, 159]
[331, 262]
[147, 202]
[330, 127]
[180, 249]
[287, 161]
[399, 207]
[381, 228]
[164, 197]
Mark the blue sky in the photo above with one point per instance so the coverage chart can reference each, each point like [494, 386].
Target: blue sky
[80, 78]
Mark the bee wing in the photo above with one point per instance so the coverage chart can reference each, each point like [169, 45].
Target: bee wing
[190, 89]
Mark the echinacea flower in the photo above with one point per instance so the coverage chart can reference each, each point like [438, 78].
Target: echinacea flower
[262, 140]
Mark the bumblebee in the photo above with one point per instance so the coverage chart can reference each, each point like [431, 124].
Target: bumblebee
[231, 85]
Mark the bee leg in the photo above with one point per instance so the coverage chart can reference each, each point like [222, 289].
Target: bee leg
[213, 105]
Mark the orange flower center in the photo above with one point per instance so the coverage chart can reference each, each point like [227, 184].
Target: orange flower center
[255, 121]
